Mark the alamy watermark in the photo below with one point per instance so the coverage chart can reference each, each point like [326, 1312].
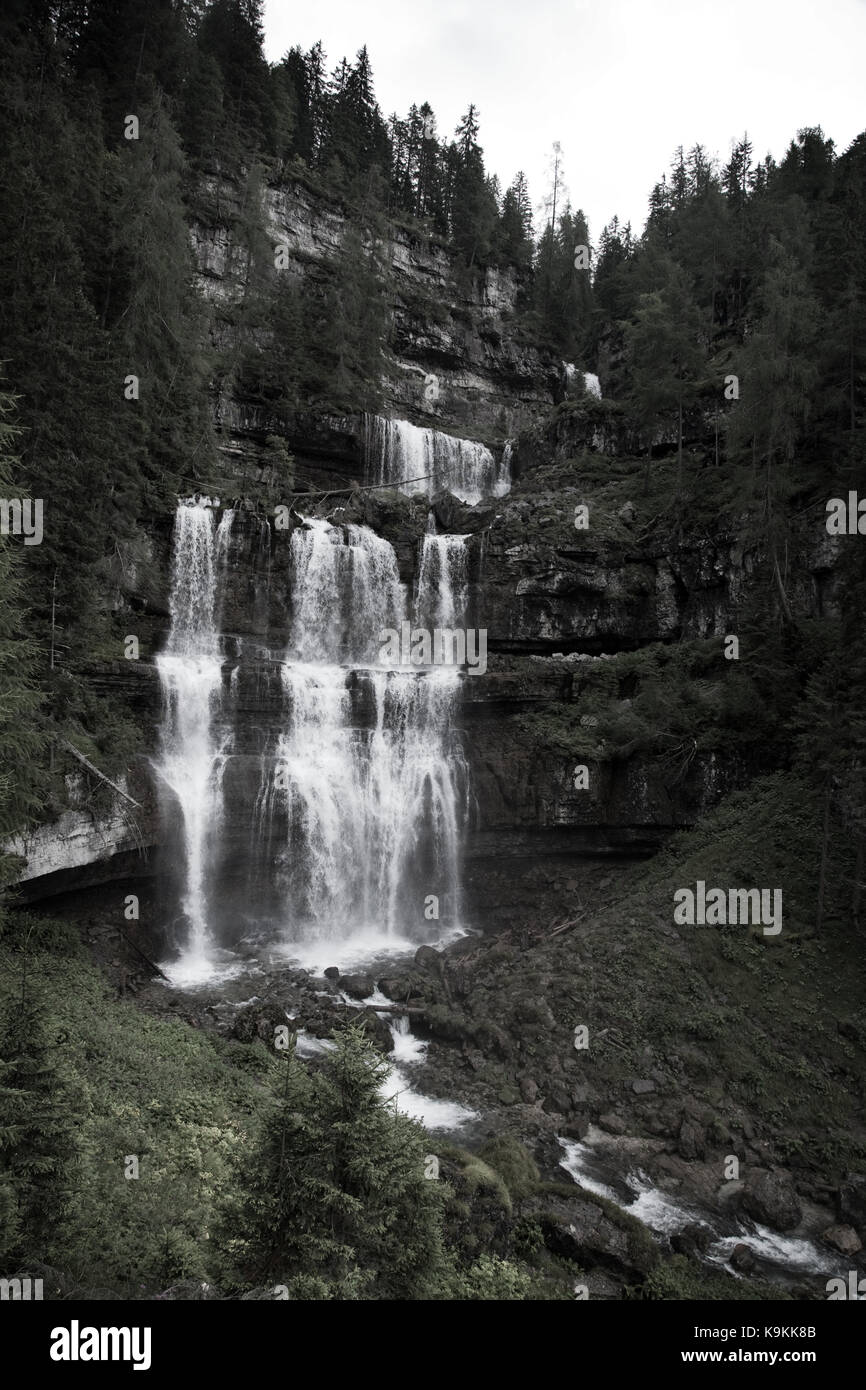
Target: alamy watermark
[22, 516]
[439, 646]
[22, 1288]
[717, 907]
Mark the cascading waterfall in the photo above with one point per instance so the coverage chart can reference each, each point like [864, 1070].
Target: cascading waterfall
[361, 810]
[442, 597]
[417, 460]
[190, 760]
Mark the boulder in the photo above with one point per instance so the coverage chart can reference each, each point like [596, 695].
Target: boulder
[332, 973]
[377, 1030]
[771, 1199]
[579, 1229]
[357, 986]
[643, 1087]
[742, 1258]
[842, 1238]
[428, 959]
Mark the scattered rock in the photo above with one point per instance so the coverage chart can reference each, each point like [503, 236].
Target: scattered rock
[742, 1258]
[557, 1102]
[399, 988]
[643, 1088]
[357, 986]
[842, 1238]
[529, 1090]
[613, 1124]
[576, 1128]
[377, 1030]
[428, 959]
[627, 513]
[771, 1199]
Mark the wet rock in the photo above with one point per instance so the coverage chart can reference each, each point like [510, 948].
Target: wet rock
[613, 1124]
[332, 973]
[377, 1030]
[357, 986]
[693, 1240]
[576, 1128]
[771, 1199]
[742, 1258]
[399, 988]
[428, 959]
[581, 1230]
[842, 1238]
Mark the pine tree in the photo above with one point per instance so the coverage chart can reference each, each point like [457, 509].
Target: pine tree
[22, 738]
[37, 1130]
[335, 1198]
[664, 341]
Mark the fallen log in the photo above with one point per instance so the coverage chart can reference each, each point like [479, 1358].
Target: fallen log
[101, 775]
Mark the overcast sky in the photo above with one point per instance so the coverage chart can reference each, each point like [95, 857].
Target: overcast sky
[619, 83]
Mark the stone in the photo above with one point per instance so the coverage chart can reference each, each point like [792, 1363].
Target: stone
[377, 1030]
[577, 1127]
[842, 1238]
[357, 986]
[556, 1102]
[399, 988]
[613, 1124]
[428, 959]
[643, 1087]
[771, 1199]
[742, 1258]
[332, 973]
[529, 1090]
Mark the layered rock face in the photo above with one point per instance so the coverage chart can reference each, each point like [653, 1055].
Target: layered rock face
[552, 597]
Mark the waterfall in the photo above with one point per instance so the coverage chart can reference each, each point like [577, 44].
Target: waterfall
[190, 761]
[442, 594]
[361, 809]
[424, 461]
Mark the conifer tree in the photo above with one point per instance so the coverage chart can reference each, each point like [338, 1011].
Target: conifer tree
[335, 1196]
[37, 1130]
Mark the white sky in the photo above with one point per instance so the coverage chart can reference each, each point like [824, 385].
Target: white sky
[620, 83]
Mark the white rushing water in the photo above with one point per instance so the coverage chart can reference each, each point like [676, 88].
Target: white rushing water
[190, 760]
[355, 833]
[362, 807]
[417, 460]
[664, 1214]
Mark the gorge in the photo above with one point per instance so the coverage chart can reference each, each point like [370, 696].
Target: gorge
[414, 613]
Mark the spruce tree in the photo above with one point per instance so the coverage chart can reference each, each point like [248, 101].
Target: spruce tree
[334, 1197]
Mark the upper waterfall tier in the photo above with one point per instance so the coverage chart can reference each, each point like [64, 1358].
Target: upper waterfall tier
[417, 460]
